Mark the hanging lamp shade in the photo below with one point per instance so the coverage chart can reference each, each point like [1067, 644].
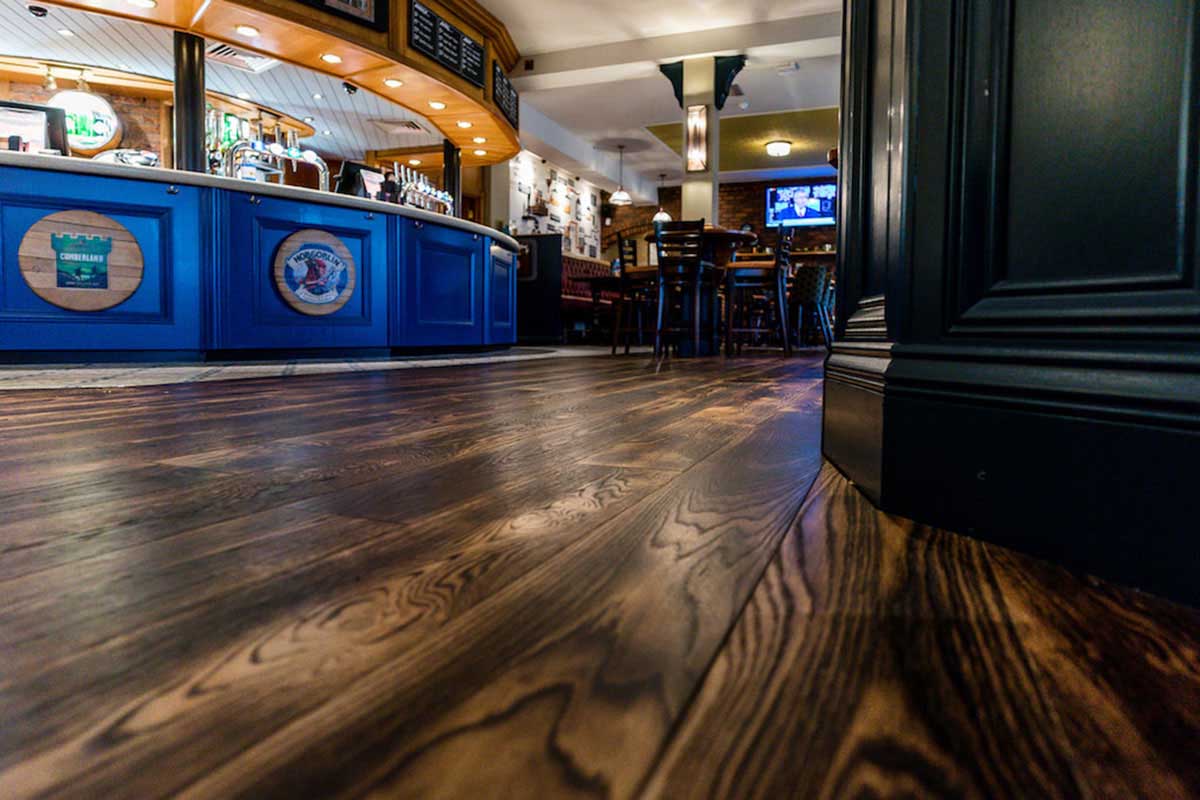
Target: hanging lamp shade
[621, 197]
[661, 215]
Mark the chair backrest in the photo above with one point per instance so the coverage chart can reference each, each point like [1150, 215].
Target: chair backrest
[679, 244]
[809, 284]
[627, 251]
[783, 246]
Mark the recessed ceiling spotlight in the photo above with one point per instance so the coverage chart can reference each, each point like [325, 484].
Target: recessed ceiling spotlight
[416, 162]
[309, 120]
[479, 140]
[326, 133]
[243, 95]
[142, 3]
[481, 152]
[462, 123]
[436, 105]
[317, 95]
[124, 67]
[393, 83]
[779, 149]
[66, 32]
[249, 31]
[330, 58]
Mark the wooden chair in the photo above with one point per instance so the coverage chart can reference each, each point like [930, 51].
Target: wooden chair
[766, 280]
[637, 288]
[681, 270]
[811, 296]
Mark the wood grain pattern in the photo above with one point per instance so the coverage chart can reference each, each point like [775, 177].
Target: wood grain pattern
[216, 566]
[878, 657]
[38, 260]
[550, 579]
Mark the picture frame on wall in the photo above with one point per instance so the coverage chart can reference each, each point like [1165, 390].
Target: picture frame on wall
[370, 13]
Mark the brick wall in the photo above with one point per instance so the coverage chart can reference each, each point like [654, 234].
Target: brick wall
[739, 204]
[141, 119]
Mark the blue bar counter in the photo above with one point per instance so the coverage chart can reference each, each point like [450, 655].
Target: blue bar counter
[104, 260]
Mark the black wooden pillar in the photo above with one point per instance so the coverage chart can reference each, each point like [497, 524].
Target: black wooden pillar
[452, 173]
[190, 151]
[1019, 310]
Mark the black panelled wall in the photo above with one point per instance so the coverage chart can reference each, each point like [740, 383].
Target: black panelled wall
[1020, 303]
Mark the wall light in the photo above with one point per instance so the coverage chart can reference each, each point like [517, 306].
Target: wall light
[779, 149]
[697, 138]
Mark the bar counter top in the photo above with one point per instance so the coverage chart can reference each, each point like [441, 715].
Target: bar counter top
[82, 166]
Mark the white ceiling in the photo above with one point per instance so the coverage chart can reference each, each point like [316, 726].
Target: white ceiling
[623, 109]
[113, 43]
[567, 24]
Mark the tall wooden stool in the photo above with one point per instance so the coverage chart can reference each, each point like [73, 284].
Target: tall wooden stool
[682, 270]
[759, 283]
[637, 287]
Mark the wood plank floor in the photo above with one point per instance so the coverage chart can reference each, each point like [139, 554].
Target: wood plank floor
[552, 579]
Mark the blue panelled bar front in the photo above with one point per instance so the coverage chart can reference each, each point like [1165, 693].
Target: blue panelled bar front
[99, 259]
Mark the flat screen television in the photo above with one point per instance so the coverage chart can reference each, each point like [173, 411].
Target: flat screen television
[807, 204]
[358, 180]
[38, 128]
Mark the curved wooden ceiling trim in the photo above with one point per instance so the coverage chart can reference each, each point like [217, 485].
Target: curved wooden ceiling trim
[301, 35]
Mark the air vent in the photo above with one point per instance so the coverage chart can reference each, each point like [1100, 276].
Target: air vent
[399, 127]
[240, 59]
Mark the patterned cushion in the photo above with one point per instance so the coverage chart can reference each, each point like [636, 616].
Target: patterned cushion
[808, 285]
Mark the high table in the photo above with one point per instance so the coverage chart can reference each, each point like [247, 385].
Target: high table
[720, 244]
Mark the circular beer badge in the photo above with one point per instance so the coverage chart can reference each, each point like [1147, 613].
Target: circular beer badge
[314, 272]
[80, 260]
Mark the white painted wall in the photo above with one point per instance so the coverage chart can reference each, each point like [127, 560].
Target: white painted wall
[572, 206]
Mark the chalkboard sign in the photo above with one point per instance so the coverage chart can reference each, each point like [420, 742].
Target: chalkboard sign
[436, 38]
[505, 96]
[371, 13]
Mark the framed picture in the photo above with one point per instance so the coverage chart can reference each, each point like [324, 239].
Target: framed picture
[371, 13]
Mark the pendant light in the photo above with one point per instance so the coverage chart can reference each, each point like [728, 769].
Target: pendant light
[662, 215]
[621, 197]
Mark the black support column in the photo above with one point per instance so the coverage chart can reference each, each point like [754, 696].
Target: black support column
[452, 173]
[190, 151]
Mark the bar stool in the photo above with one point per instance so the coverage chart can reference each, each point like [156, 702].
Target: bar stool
[766, 277]
[637, 289]
[811, 297]
[681, 268]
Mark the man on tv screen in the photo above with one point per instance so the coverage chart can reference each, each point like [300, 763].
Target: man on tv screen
[803, 205]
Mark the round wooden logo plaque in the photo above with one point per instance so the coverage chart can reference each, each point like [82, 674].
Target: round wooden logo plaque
[314, 272]
[80, 260]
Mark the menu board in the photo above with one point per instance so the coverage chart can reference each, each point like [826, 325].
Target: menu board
[371, 13]
[505, 96]
[436, 38]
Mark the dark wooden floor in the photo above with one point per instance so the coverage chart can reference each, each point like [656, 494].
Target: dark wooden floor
[580, 577]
